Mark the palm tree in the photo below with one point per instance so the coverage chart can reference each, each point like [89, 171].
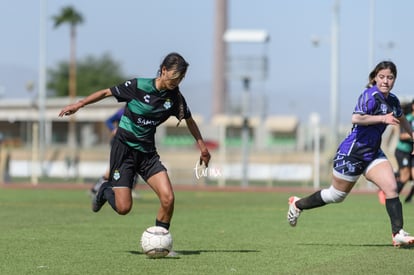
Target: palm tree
[68, 15]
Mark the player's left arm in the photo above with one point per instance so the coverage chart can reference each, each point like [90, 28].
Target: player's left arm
[194, 130]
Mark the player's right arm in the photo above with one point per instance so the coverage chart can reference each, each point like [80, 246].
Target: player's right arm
[92, 98]
[365, 119]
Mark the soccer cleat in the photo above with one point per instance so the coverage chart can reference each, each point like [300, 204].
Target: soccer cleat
[172, 254]
[410, 195]
[94, 189]
[402, 238]
[91, 193]
[98, 200]
[381, 197]
[293, 212]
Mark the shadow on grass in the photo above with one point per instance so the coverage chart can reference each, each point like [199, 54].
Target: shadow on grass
[356, 245]
[198, 252]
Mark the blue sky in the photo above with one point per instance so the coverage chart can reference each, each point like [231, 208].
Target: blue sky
[138, 34]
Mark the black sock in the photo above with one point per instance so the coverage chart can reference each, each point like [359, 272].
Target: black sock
[312, 201]
[394, 210]
[108, 194]
[166, 225]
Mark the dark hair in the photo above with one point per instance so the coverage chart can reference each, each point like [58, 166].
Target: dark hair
[381, 66]
[174, 61]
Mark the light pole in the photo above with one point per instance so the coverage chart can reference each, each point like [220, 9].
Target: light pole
[219, 84]
[245, 131]
[334, 85]
[371, 29]
[315, 123]
[42, 85]
[246, 74]
[335, 73]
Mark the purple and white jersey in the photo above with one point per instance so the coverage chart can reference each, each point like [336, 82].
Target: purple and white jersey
[364, 141]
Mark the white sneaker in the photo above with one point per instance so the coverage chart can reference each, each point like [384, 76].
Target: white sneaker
[402, 238]
[293, 212]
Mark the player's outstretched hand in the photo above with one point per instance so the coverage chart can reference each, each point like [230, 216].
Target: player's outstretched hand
[69, 110]
[205, 158]
[390, 119]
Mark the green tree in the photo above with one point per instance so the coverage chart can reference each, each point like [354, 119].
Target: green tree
[94, 73]
[68, 15]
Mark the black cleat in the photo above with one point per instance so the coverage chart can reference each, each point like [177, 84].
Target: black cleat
[98, 200]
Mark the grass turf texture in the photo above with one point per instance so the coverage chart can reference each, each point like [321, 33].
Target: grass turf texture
[55, 232]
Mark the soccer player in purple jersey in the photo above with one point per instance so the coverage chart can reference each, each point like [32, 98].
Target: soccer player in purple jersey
[360, 153]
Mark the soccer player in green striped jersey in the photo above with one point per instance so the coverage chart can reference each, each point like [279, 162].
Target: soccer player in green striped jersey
[149, 102]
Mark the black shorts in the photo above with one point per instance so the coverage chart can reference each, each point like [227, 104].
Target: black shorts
[350, 168]
[125, 162]
[404, 159]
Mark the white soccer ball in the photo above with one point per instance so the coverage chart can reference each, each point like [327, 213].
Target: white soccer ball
[156, 242]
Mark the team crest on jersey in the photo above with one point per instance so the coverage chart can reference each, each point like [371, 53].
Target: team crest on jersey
[351, 167]
[384, 108]
[167, 104]
[117, 175]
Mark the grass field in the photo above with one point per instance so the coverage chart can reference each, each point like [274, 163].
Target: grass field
[55, 232]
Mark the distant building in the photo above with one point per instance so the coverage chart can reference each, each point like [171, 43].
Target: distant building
[17, 118]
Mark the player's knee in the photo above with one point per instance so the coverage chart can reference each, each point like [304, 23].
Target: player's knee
[123, 211]
[123, 208]
[167, 201]
[333, 195]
